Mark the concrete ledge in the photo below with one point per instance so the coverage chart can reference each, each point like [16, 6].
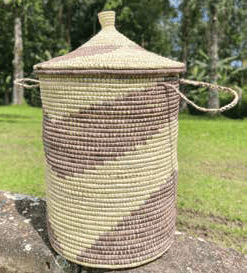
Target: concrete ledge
[25, 248]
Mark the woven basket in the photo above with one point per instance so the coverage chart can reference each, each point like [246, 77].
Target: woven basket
[110, 127]
[110, 130]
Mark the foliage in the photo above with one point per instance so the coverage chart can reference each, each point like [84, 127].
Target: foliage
[146, 22]
[228, 75]
[73, 22]
[231, 29]
[85, 21]
[35, 37]
[240, 110]
[188, 30]
[48, 27]
[55, 27]
[6, 55]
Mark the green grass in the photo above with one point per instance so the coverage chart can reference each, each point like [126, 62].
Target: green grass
[21, 152]
[212, 154]
[213, 166]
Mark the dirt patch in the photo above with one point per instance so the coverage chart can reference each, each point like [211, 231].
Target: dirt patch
[211, 218]
[225, 170]
[214, 228]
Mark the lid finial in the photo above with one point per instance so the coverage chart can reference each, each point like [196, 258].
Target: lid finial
[107, 19]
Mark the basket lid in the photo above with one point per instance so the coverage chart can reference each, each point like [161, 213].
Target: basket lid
[112, 51]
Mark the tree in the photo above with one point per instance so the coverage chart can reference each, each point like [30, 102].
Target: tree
[60, 15]
[216, 31]
[18, 50]
[225, 29]
[33, 43]
[213, 100]
[145, 22]
[190, 18]
[243, 43]
[190, 22]
[85, 22]
[74, 22]
[6, 53]
[18, 62]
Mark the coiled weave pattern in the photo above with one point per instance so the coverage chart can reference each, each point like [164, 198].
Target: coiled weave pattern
[111, 167]
[110, 127]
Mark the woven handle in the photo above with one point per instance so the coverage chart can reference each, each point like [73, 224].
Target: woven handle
[22, 82]
[213, 86]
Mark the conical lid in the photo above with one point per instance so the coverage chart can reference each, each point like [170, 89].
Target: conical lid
[112, 51]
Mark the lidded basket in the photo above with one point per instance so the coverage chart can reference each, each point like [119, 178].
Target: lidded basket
[110, 126]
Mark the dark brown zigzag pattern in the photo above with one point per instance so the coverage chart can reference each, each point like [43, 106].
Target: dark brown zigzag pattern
[118, 247]
[85, 51]
[130, 243]
[52, 234]
[96, 134]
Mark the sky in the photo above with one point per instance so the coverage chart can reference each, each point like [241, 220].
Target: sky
[175, 3]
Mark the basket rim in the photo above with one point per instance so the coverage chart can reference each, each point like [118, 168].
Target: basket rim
[172, 71]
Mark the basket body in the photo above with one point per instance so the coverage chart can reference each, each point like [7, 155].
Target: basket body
[111, 167]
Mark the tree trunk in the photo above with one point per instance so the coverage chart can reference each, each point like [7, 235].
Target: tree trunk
[244, 73]
[68, 28]
[183, 107]
[18, 63]
[60, 20]
[213, 99]
[6, 97]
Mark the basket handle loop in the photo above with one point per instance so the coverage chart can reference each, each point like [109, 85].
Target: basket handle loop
[213, 86]
[24, 82]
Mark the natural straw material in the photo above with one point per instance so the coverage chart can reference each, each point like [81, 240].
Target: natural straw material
[212, 86]
[110, 127]
[110, 50]
[111, 167]
[21, 82]
[24, 83]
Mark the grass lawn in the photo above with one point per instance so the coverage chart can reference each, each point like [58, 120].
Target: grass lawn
[21, 151]
[212, 186]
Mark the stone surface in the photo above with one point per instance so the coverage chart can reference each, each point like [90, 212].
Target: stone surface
[24, 244]
[25, 248]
